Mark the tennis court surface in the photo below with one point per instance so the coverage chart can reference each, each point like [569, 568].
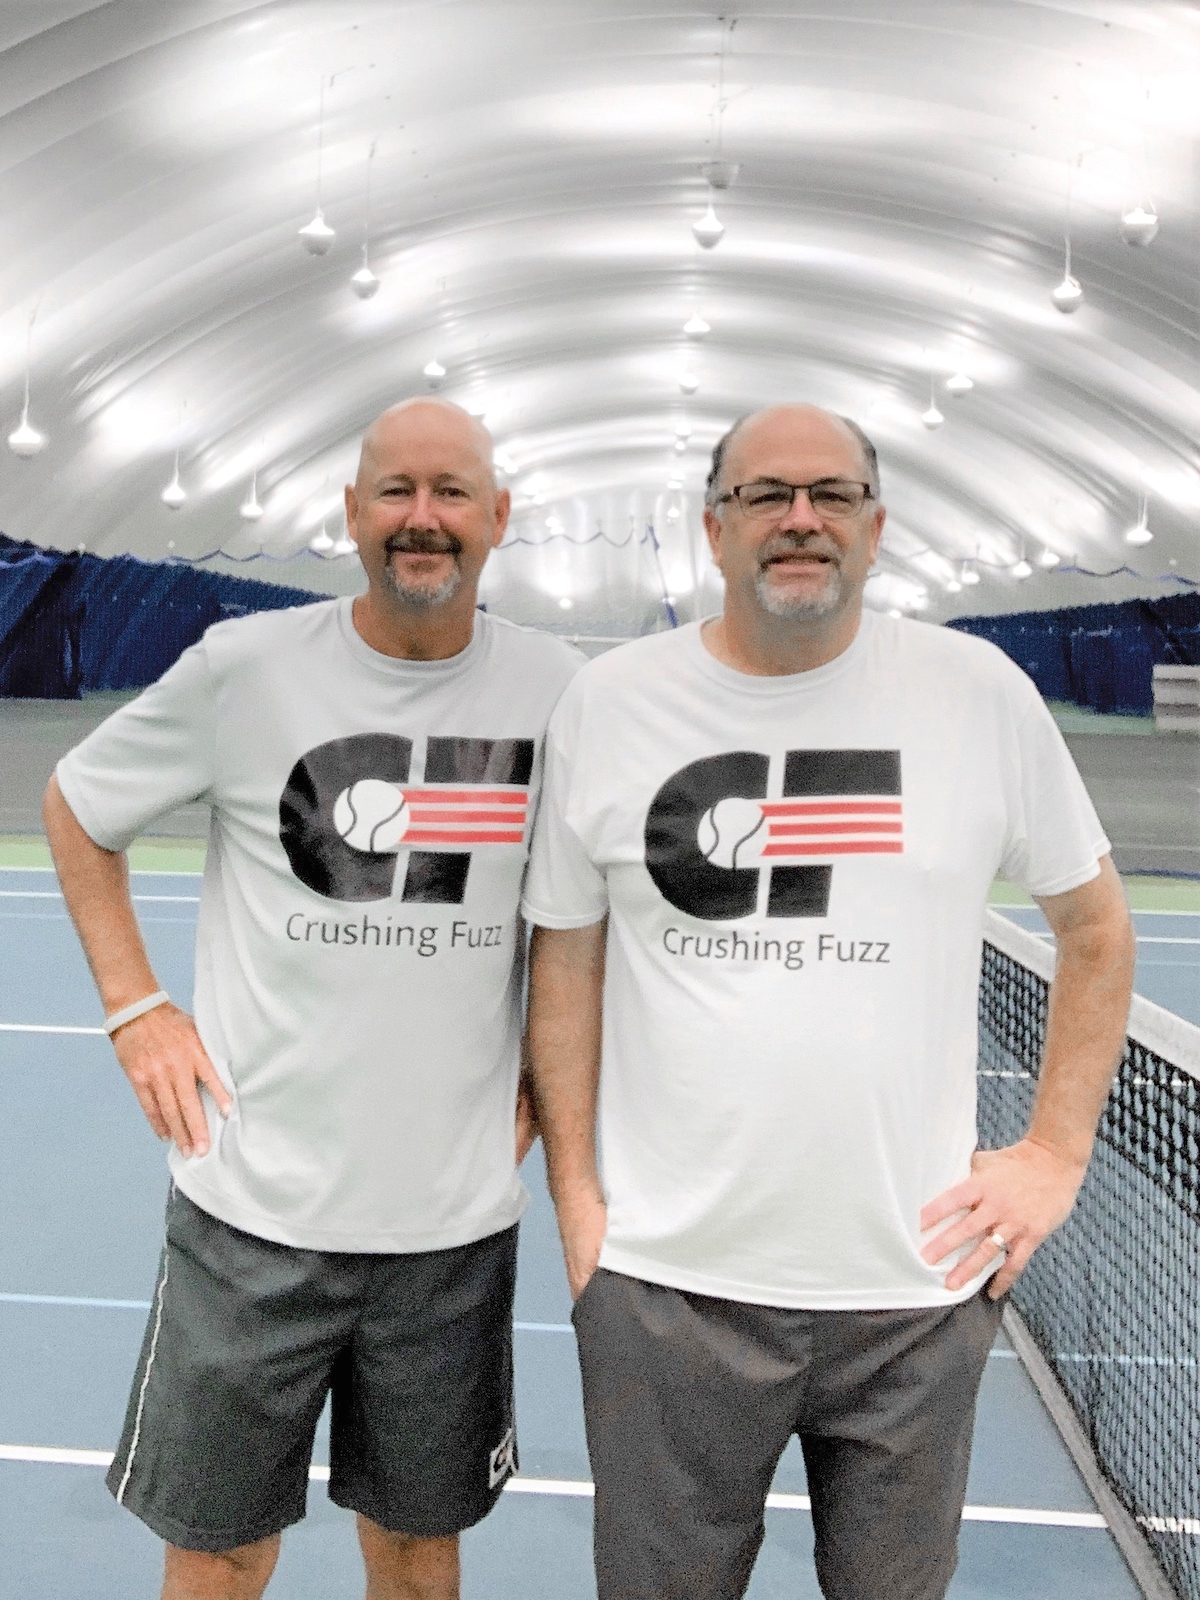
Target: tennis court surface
[83, 1184]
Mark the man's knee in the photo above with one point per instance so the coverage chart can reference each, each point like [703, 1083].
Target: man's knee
[404, 1566]
[238, 1574]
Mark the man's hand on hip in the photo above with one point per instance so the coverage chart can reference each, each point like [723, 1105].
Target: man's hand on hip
[582, 1224]
[163, 1059]
[1018, 1195]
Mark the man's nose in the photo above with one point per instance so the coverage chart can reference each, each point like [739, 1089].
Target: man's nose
[801, 518]
[421, 511]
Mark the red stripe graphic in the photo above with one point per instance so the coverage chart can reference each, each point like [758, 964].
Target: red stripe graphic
[831, 808]
[467, 797]
[436, 814]
[779, 829]
[460, 836]
[837, 847]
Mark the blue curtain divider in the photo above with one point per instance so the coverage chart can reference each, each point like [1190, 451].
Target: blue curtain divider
[1101, 657]
[71, 622]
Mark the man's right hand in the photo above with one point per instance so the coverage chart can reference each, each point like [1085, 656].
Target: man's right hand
[582, 1223]
[163, 1059]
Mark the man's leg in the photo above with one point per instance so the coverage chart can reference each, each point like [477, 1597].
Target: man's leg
[886, 1430]
[240, 1574]
[689, 1402]
[402, 1567]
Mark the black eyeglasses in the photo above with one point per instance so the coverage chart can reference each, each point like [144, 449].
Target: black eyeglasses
[829, 497]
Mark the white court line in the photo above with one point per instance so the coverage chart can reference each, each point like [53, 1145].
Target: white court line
[90, 1302]
[53, 894]
[581, 1489]
[42, 1027]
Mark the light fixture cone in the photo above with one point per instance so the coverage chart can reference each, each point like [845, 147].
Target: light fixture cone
[321, 544]
[250, 510]
[1049, 558]
[932, 418]
[1068, 295]
[1139, 226]
[680, 446]
[317, 236]
[1021, 569]
[709, 231]
[364, 282]
[970, 573]
[682, 431]
[696, 326]
[672, 513]
[958, 384]
[174, 494]
[1139, 533]
[25, 440]
[720, 174]
[953, 586]
[345, 546]
[566, 603]
[434, 372]
[688, 383]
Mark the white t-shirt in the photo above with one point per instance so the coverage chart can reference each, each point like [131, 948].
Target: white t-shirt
[358, 978]
[796, 871]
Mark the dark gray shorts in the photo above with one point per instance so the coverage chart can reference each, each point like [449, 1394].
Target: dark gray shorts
[245, 1340]
[691, 1400]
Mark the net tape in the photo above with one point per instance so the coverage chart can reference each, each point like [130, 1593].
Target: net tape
[1113, 1298]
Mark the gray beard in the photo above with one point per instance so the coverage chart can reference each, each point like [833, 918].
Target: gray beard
[421, 597]
[778, 603]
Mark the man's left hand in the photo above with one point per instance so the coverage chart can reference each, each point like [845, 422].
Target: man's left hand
[1019, 1194]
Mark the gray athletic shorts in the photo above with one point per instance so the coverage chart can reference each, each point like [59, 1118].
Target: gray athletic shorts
[691, 1400]
[245, 1340]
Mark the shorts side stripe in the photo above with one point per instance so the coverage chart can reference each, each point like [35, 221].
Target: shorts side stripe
[137, 1424]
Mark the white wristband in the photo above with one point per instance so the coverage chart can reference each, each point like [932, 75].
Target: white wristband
[139, 1008]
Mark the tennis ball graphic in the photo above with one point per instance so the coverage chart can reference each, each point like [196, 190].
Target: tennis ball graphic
[372, 816]
[732, 833]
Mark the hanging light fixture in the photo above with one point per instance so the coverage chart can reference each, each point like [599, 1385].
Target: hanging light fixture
[682, 430]
[25, 440]
[317, 236]
[696, 327]
[680, 446]
[932, 418]
[688, 383]
[434, 372]
[672, 513]
[566, 603]
[1139, 226]
[952, 586]
[174, 494]
[710, 230]
[345, 546]
[1049, 558]
[969, 574]
[1067, 296]
[1021, 568]
[364, 283]
[321, 544]
[958, 384]
[250, 510]
[1140, 532]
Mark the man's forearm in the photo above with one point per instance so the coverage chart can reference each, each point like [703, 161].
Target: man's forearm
[566, 979]
[1087, 1017]
[95, 886]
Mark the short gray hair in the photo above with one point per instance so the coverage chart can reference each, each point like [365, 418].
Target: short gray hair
[720, 449]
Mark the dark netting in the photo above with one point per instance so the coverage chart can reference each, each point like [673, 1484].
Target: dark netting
[1113, 1298]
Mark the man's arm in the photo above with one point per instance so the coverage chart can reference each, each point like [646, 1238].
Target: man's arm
[566, 982]
[1024, 1192]
[160, 1052]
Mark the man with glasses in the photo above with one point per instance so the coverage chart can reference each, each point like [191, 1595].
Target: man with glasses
[344, 1108]
[759, 880]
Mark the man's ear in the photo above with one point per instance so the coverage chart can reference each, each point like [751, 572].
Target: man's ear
[351, 512]
[712, 527]
[502, 513]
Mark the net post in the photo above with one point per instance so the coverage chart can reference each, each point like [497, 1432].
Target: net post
[1139, 1558]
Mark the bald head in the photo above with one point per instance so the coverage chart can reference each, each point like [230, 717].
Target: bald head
[835, 441]
[426, 424]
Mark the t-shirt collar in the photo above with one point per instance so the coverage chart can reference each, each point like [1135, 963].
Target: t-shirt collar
[401, 666]
[780, 683]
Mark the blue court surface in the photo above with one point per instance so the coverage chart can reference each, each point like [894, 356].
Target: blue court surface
[83, 1184]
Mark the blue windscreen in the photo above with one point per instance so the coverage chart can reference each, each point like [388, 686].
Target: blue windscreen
[69, 623]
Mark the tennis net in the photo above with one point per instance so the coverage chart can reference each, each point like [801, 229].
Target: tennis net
[1112, 1300]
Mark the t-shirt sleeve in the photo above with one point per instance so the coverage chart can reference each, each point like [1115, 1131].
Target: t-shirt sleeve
[563, 886]
[1055, 839]
[152, 755]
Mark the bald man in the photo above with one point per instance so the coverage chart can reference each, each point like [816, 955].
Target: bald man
[759, 880]
[343, 1110]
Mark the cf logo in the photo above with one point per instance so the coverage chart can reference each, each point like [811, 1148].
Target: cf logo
[710, 830]
[348, 811]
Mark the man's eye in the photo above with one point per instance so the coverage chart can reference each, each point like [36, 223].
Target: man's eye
[768, 497]
[451, 491]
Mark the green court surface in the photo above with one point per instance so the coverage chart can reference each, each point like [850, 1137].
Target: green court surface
[187, 855]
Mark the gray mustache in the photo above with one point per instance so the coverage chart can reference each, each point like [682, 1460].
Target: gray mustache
[419, 541]
[794, 546]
